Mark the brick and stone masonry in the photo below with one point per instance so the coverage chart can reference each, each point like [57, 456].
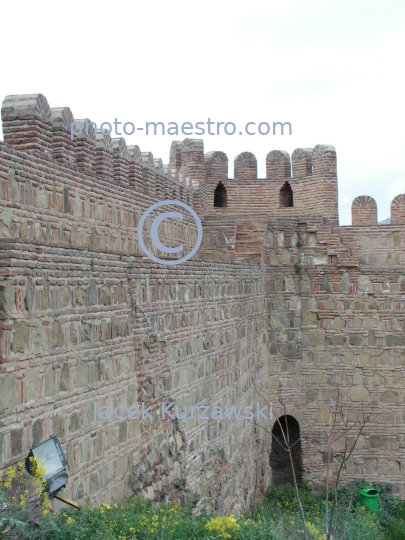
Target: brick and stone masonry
[278, 293]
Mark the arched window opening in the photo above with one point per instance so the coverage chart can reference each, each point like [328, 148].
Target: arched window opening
[279, 458]
[220, 196]
[286, 196]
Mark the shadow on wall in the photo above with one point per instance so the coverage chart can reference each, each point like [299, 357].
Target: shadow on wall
[279, 458]
[220, 196]
[286, 196]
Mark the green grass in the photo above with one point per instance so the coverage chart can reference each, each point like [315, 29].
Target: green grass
[276, 518]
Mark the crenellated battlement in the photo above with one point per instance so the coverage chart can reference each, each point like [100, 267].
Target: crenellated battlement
[364, 211]
[87, 191]
[309, 177]
[30, 125]
[303, 184]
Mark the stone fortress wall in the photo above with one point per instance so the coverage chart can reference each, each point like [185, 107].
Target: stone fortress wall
[277, 293]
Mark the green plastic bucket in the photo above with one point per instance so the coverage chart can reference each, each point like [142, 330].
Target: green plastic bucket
[369, 498]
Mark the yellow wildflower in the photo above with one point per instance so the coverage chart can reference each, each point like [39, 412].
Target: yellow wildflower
[222, 525]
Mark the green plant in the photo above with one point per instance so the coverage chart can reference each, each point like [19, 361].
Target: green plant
[23, 499]
[223, 525]
[277, 517]
[283, 509]
[286, 444]
[396, 531]
[298, 268]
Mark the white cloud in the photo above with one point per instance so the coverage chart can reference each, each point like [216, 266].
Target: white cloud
[333, 69]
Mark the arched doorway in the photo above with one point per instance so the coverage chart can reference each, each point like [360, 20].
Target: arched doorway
[279, 458]
[220, 196]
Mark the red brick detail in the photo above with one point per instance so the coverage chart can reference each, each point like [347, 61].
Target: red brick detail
[364, 211]
[398, 210]
[27, 124]
[245, 166]
[278, 165]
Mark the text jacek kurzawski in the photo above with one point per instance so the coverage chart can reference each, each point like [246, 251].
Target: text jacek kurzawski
[202, 412]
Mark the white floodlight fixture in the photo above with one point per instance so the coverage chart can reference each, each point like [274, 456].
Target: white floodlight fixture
[50, 455]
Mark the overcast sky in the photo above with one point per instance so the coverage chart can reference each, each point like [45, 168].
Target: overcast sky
[333, 69]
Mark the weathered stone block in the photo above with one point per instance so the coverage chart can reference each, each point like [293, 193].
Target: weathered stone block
[19, 337]
[344, 283]
[106, 296]
[365, 357]
[312, 394]
[275, 322]
[65, 377]
[384, 358]
[364, 284]
[45, 292]
[49, 382]
[316, 337]
[58, 424]
[305, 283]
[372, 341]
[81, 373]
[37, 431]
[389, 396]
[289, 284]
[64, 295]
[31, 390]
[378, 378]
[392, 340]
[339, 340]
[93, 299]
[286, 256]
[94, 483]
[16, 441]
[356, 340]
[348, 358]
[309, 318]
[326, 358]
[122, 431]
[74, 422]
[85, 334]
[337, 323]
[370, 466]
[358, 376]
[325, 284]
[377, 441]
[58, 339]
[6, 297]
[359, 393]
[372, 303]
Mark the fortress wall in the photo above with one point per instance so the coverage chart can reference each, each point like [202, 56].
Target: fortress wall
[313, 184]
[350, 324]
[86, 317]
[80, 326]
[275, 295]
[187, 157]
[353, 337]
[377, 247]
[47, 202]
